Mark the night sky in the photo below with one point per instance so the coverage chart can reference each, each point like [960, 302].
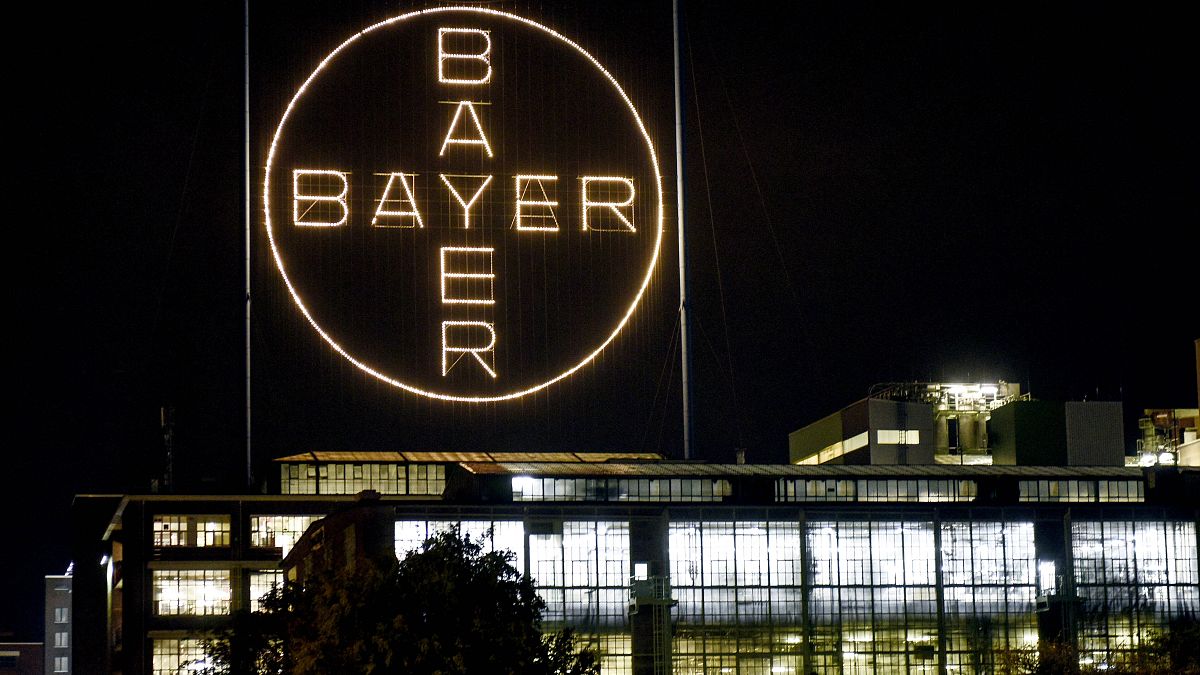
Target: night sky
[874, 194]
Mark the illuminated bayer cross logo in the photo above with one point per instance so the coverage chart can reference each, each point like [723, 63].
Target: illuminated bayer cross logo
[464, 204]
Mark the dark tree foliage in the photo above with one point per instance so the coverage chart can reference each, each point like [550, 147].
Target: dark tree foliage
[447, 609]
[1172, 651]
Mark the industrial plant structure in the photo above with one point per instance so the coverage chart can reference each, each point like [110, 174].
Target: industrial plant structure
[685, 567]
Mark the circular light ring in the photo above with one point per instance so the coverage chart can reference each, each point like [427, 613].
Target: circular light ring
[367, 368]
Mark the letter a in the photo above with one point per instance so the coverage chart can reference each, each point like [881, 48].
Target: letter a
[481, 139]
[381, 211]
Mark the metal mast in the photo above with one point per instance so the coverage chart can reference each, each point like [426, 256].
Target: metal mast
[248, 214]
[684, 321]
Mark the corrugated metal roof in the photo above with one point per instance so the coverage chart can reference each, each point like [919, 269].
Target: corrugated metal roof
[474, 457]
[649, 464]
[682, 469]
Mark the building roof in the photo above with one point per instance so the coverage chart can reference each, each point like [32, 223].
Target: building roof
[693, 469]
[473, 457]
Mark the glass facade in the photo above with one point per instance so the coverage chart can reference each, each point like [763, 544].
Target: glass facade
[849, 592]
[1132, 577]
[177, 656]
[527, 489]
[874, 490]
[988, 575]
[278, 531]
[261, 583]
[581, 569]
[192, 592]
[737, 585]
[497, 535]
[190, 530]
[1082, 491]
[348, 478]
[767, 573]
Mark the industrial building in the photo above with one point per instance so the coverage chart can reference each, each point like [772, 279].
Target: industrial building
[686, 567]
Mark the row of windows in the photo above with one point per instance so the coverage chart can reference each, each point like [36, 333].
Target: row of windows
[191, 592]
[177, 657]
[897, 490]
[347, 478]
[529, 489]
[190, 530]
[988, 568]
[1082, 491]
[871, 603]
[214, 531]
[282, 531]
[205, 592]
[498, 535]
[1134, 552]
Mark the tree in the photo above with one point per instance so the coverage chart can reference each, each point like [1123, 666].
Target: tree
[447, 609]
[1174, 650]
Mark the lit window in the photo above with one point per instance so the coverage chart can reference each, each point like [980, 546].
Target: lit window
[1132, 575]
[297, 479]
[262, 583]
[529, 489]
[916, 490]
[61, 664]
[61, 614]
[170, 531]
[278, 531]
[177, 657]
[898, 436]
[190, 530]
[192, 592]
[1047, 577]
[1122, 491]
[426, 479]
[61, 640]
[1057, 490]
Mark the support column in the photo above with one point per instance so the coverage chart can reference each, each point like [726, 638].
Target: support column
[939, 592]
[650, 595]
[805, 592]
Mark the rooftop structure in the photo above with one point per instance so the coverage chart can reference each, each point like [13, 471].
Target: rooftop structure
[969, 424]
[1169, 436]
